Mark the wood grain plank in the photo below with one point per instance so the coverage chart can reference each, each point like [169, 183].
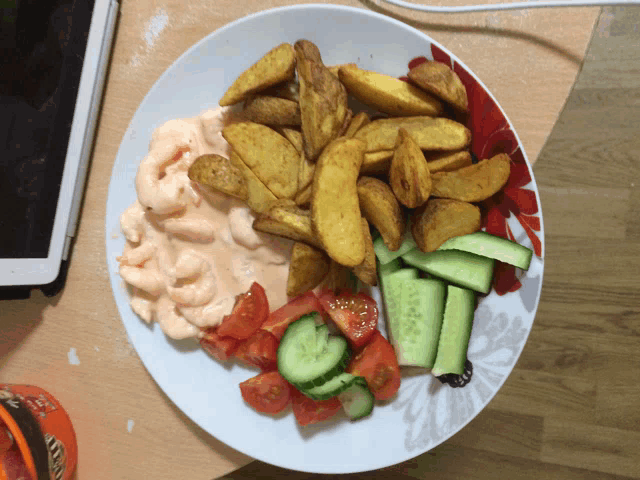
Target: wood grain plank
[597, 448]
[618, 396]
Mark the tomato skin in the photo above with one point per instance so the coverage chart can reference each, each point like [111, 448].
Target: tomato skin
[281, 318]
[308, 411]
[259, 350]
[249, 313]
[218, 346]
[356, 315]
[267, 392]
[378, 364]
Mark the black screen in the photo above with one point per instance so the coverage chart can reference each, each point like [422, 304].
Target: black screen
[42, 48]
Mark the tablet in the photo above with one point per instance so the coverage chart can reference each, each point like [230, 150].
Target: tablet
[54, 56]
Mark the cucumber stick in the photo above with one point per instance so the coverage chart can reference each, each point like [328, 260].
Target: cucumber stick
[415, 329]
[491, 246]
[455, 332]
[462, 268]
[308, 356]
[385, 255]
[391, 287]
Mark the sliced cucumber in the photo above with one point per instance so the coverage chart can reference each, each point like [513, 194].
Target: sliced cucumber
[462, 268]
[322, 337]
[387, 268]
[385, 255]
[416, 326]
[357, 400]
[300, 361]
[491, 246]
[391, 285]
[456, 331]
[331, 388]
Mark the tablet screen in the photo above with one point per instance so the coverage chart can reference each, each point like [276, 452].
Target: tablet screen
[42, 48]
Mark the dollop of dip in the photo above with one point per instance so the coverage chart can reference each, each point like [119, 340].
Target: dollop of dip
[189, 252]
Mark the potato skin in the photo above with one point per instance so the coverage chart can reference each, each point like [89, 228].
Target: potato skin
[367, 270]
[285, 219]
[409, 175]
[219, 173]
[439, 80]
[308, 268]
[259, 197]
[357, 122]
[438, 220]
[381, 208]
[272, 111]
[335, 209]
[448, 161]
[474, 183]
[277, 65]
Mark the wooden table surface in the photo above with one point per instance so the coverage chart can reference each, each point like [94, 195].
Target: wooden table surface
[570, 408]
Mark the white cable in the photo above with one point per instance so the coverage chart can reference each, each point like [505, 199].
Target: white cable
[509, 6]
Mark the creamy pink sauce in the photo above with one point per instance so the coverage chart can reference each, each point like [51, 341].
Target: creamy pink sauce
[190, 252]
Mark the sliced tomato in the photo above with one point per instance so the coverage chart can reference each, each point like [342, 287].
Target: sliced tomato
[281, 318]
[308, 411]
[259, 350]
[249, 313]
[267, 392]
[378, 364]
[356, 315]
[220, 347]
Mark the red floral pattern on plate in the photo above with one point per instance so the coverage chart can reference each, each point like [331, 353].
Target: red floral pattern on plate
[491, 134]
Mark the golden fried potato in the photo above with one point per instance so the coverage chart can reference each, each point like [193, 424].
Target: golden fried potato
[306, 172]
[409, 175]
[285, 219]
[448, 161]
[259, 196]
[335, 69]
[293, 135]
[335, 210]
[278, 65]
[388, 94]
[475, 182]
[309, 266]
[268, 154]
[289, 90]
[366, 271]
[340, 278]
[271, 110]
[357, 122]
[438, 220]
[323, 100]
[381, 208]
[439, 80]
[377, 162]
[218, 173]
[303, 197]
[429, 133]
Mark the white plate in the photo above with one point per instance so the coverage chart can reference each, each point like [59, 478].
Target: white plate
[425, 413]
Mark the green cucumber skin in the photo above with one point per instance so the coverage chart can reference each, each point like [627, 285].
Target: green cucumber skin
[465, 269]
[331, 388]
[491, 246]
[361, 390]
[456, 331]
[384, 255]
[416, 329]
[390, 293]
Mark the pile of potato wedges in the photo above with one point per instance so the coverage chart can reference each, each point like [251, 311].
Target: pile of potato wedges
[322, 175]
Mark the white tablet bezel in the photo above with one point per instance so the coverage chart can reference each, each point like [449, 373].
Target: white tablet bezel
[40, 271]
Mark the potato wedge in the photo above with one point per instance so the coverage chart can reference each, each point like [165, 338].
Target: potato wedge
[357, 122]
[303, 197]
[340, 278]
[271, 110]
[308, 267]
[409, 175]
[388, 94]
[381, 209]
[335, 69]
[306, 172]
[268, 154]
[377, 162]
[438, 220]
[475, 182]
[259, 196]
[335, 210]
[429, 133]
[286, 219]
[293, 135]
[438, 79]
[278, 65]
[366, 271]
[217, 173]
[323, 100]
[448, 161]
[289, 90]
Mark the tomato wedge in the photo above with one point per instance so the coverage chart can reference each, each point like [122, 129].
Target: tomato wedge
[281, 318]
[249, 313]
[259, 350]
[356, 315]
[220, 347]
[378, 364]
[308, 411]
[267, 392]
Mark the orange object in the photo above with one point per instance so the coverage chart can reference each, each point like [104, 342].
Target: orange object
[44, 442]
